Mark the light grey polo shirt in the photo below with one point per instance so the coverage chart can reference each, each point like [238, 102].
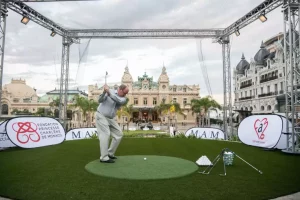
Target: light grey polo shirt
[110, 104]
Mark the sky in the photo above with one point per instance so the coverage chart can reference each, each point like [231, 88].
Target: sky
[32, 54]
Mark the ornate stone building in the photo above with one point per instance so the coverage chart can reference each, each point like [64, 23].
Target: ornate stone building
[145, 93]
[258, 83]
[17, 96]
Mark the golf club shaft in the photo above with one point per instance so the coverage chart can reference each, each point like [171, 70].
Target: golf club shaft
[106, 77]
[248, 163]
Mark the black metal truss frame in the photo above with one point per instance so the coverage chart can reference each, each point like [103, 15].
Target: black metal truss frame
[73, 35]
[24, 10]
[263, 8]
[144, 33]
[20, 7]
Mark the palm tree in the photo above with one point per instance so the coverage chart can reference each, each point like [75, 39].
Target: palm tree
[91, 108]
[43, 112]
[196, 106]
[202, 107]
[129, 109]
[125, 111]
[54, 104]
[170, 110]
[86, 106]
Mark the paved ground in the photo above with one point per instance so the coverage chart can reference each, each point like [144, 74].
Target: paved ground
[295, 196]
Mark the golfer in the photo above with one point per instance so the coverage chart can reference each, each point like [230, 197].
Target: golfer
[110, 101]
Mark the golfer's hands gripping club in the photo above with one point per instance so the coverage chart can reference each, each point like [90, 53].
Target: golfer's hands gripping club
[106, 89]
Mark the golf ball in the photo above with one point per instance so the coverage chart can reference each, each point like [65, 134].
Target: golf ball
[145, 158]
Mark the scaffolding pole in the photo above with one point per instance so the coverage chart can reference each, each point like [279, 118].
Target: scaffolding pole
[292, 79]
[64, 80]
[3, 15]
[227, 107]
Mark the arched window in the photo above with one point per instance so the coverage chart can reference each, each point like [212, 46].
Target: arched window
[269, 107]
[246, 108]
[251, 108]
[69, 114]
[56, 113]
[262, 107]
[4, 109]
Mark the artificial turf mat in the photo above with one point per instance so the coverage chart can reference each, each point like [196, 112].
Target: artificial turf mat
[57, 172]
[143, 167]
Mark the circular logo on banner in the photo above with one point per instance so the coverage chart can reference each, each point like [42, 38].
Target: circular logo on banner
[26, 131]
[260, 126]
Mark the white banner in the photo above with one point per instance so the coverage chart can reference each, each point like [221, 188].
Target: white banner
[81, 133]
[32, 132]
[282, 143]
[261, 130]
[5, 141]
[206, 133]
[2, 127]
[171, 131]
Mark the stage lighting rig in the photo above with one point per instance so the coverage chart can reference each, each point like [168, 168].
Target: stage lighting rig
[25, 19]
[53, 33]
[237, 32]
[263, 17]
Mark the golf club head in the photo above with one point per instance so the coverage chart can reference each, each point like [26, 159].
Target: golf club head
[205, 173]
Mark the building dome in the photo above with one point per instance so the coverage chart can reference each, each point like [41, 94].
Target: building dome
[261, 55]
[242, 66]
[18, 88]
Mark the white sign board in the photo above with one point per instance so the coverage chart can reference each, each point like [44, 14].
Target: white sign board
[32, 132]
[261, 130]
[206, 133]
[282, 143]
[81, 133]
[2, 127]
[171, 131]
[5, 141]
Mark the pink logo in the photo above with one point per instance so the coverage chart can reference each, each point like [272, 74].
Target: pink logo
[260, 126]
[26, 131]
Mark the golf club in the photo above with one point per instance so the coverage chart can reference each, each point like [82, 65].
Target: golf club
[220, 155]
[106, 77]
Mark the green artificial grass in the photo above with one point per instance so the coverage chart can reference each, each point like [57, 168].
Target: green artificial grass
[141, 133]
[143, 167]
[57, 172]
[144, 132]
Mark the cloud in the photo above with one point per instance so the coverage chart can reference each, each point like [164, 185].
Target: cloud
[31, 53]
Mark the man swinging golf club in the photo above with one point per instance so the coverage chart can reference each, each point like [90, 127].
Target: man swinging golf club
[110, 101]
